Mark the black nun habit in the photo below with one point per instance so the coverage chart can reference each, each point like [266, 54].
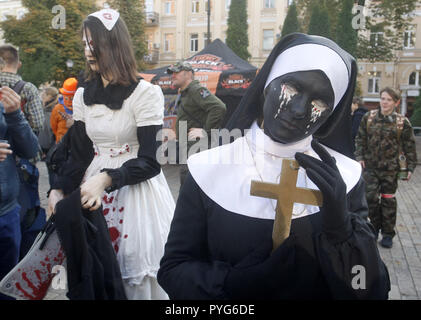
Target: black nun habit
[220, 241]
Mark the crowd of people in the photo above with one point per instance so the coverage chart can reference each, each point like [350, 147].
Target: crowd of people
[216, 241]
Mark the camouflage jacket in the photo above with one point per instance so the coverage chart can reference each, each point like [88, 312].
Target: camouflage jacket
[378, 145]
[200, 109]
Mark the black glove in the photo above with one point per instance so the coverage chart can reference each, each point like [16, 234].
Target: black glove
[262, 275]
[336, 222]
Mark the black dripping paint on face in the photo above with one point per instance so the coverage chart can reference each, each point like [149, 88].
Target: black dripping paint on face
[296, 105]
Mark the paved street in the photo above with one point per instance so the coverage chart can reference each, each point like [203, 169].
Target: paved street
[403, 260]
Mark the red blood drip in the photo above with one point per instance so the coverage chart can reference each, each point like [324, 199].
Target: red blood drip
[38, 292]
[38, 274]
[114, 233]
[105, 199]
[105, 211]
[121, 209]
[125, 236]
[116, 248]
[121, 221]
[26, 294]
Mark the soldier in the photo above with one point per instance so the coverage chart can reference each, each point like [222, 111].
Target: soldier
[196, 105]
[384, 141]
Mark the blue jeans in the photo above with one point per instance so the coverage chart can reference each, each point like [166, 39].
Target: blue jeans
[10, 238]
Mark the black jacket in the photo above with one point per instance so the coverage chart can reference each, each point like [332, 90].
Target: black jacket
[92, 269]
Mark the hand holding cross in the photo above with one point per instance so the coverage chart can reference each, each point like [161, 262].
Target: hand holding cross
[286, 193]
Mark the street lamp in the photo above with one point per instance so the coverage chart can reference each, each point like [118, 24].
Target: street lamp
[69, 64]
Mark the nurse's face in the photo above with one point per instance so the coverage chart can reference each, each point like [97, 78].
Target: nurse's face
[296, 105]
[88, 50]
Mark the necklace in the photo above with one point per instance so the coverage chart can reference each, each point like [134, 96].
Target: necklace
[278, 178]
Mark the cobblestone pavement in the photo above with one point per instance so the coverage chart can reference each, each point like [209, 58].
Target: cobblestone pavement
[403, 259]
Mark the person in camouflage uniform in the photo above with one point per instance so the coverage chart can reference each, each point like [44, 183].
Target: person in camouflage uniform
[197, 106]
[381, 136]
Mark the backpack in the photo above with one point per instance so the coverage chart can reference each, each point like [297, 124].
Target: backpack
[18, 87]
[400, 119]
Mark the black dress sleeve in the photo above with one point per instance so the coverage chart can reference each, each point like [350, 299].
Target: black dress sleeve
[139, 169]
[353, 268]
[81, 153]
[185, 271]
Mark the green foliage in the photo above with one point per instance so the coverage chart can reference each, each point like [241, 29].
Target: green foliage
[416, 116]
[43, 49]
[319, 21]
[291, 23]
[132, 12]
[304, 8]
[390, 17]
[346, 35]
[237, 31]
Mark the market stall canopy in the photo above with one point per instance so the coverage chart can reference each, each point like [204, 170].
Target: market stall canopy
[218, 68]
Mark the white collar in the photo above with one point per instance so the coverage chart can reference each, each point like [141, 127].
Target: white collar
[225, 173]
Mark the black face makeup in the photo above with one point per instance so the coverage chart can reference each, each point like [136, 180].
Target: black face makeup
[296, 105]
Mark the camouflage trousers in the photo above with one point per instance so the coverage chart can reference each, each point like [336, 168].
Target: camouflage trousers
[380, 193]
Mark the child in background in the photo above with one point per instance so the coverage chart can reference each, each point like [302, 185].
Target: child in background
[62, 116]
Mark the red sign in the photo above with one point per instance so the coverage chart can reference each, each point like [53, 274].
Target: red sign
[209, 61]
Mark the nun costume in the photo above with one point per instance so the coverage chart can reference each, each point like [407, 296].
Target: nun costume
[220, 240]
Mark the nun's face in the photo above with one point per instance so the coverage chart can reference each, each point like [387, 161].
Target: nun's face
[296, 105]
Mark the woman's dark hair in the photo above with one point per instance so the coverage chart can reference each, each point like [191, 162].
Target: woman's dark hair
[112, 50]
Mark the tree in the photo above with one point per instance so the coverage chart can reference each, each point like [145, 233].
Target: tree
[133, 14]
[346, 35]
[237, 35]
[304, 8]
[387, 22]
[416, 116]
[291, 23]
[44, 47]
[319, 21]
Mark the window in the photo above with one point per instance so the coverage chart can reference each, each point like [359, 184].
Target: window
[205, 38]
[4, 15]
[290, 2]
[168, 42]
[373, 81]
[414, 78]
[206, 6]
[20, 14]
[376, 38]
[267, 39]
[409, 39]
[195, 6]
[227, 5]
[169, 7]
[270, 4]
[194, 42]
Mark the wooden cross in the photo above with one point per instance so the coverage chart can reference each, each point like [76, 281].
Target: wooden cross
[286, 193]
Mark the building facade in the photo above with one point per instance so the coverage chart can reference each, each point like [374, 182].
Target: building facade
[10, 8]
[402, 73]
[177, 29]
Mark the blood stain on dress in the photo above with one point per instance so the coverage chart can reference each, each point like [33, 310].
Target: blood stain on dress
[114, 233]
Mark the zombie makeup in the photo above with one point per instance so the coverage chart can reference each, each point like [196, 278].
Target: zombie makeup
[317, 109]
[287, 93]
[89, 50]
[296, 105]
